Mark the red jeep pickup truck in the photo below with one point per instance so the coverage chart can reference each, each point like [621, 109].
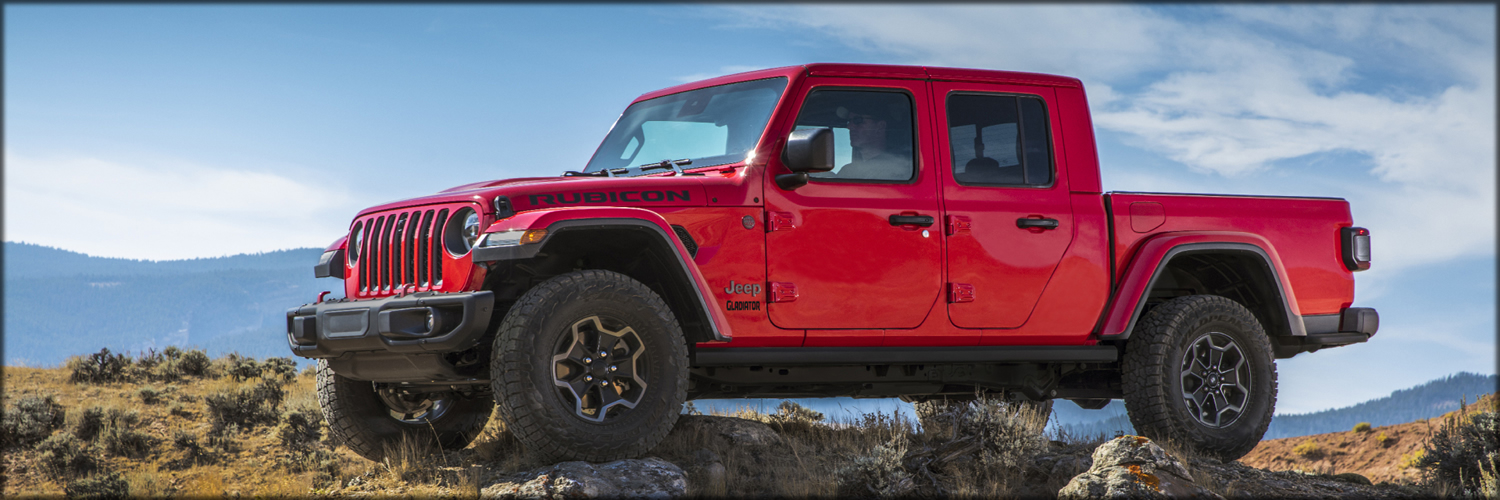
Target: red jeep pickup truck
[824, 230]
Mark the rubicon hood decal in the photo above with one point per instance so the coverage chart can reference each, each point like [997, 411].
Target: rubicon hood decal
[609, 197]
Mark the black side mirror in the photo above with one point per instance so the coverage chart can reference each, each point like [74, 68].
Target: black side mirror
[807, 150]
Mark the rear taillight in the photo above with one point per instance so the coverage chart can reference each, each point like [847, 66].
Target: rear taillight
[1356, 244]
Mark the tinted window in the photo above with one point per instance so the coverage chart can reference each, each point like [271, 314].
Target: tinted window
[999, 140]
[872, 132]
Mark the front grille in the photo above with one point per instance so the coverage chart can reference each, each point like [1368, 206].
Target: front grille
[401, 249]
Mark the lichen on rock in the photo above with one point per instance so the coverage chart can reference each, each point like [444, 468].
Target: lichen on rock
[1134, 467]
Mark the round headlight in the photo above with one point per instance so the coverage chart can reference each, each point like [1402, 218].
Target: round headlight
[355, 239]
[461, 232]
[471, 229]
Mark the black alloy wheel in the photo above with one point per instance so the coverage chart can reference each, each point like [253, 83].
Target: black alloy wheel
[1216, 380]
[595, 367]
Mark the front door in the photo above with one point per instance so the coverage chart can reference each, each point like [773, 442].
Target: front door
[861, 244]
[1008, 216]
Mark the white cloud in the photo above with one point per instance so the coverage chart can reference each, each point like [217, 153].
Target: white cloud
[1238, 89]
[164, 211]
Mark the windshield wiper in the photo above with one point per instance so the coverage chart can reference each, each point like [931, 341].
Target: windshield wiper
[601, 173]
[674, 165]
[668, 164]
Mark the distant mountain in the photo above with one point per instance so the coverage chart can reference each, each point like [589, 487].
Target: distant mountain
[27, 260]
[1407, 405]
[1424, 401]
[60, 303]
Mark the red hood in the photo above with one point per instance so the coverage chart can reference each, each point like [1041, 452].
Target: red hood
[530, 193]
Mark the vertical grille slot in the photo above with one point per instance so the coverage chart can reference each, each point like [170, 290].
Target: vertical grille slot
[372, 264]
[398, 254]
[424, 251]
[411, 248]
[437, 246]
[362, 255]
[385, 254]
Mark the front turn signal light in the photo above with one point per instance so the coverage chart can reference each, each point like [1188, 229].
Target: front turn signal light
[533, 236]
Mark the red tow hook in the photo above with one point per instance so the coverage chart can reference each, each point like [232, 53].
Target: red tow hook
[320, 297]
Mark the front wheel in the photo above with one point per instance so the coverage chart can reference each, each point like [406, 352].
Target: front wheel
[590, 365]
[371, 418]
[1199, 371]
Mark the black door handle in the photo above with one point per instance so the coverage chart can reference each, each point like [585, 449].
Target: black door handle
[911, 220]
[1028, 223]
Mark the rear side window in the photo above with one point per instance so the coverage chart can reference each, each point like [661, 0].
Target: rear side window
[999, 140]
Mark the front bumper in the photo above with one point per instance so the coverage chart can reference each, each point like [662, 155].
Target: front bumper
[427, 322]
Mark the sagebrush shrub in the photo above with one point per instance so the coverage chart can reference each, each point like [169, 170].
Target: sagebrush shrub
[879, 474]
[1308, 449]
[30, 419]
[283, 368]
[300, 427]
[119, 436]
[1362, 427]
[87, 423]
[64, 455]
[1382, 439]
[1008, 432]
[125, 441]
[107, 485]
[791, 416]
[1463, 451]
[244, 406]
[149, 395]
[192, 362]
[239, 368]
[99, 367]
[188, 442]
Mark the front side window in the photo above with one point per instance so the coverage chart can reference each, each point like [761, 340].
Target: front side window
[711, 126]
[999, 140]
[872, 133]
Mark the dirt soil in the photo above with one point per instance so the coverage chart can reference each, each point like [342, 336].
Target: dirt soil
[1363, 453]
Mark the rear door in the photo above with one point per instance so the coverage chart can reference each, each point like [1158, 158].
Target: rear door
[835, 240]
[1008, 218]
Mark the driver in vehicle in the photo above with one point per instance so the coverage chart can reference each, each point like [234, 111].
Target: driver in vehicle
[872, 156]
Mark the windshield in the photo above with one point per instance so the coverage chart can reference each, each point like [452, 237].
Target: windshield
[711, 126]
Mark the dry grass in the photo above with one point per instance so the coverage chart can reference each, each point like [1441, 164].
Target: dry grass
[112, 436]
[251, 428]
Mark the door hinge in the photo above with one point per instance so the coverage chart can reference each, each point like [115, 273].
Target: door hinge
[957, 223]
[960, 292]
[783, 292]
[777, 221]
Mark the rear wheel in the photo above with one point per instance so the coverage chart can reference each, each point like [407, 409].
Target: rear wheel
[371, 417]
[590, 365]
[1199, 371]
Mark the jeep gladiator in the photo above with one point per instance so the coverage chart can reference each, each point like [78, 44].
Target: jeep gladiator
[824, 230]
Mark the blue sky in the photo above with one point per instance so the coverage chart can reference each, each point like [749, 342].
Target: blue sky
[177, 131]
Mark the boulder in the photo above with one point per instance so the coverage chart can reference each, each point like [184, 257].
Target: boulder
[1133, 467]
[736, 431]
[646, 478]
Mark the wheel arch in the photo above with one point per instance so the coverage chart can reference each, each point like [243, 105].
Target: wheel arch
[634, 242]
[1240, 266]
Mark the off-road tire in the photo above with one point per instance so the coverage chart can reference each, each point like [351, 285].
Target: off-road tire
[359, 419]
[1153, 374]
[545, 419]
